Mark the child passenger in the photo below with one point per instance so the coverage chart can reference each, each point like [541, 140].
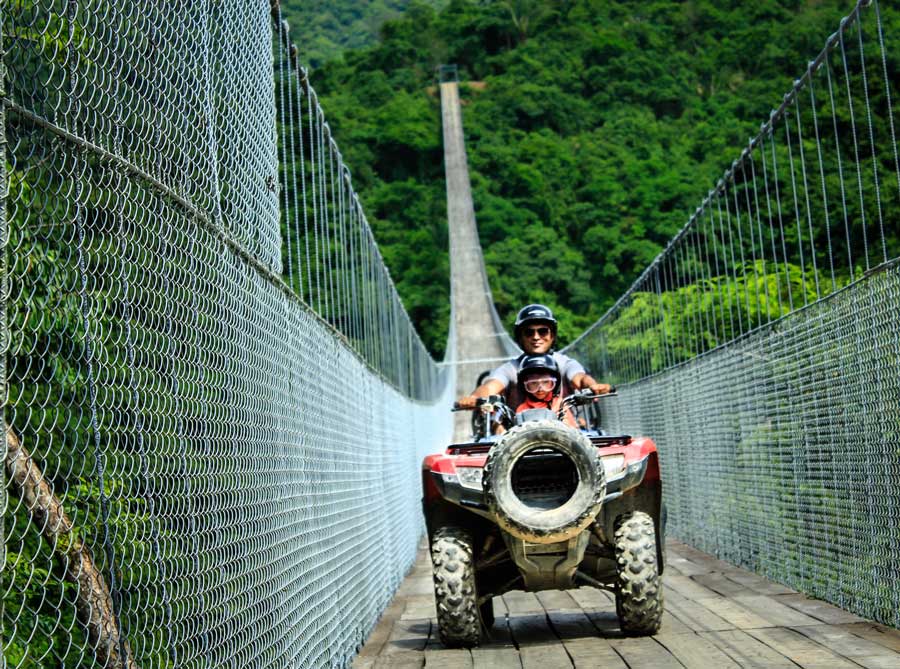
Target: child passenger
[539, 383]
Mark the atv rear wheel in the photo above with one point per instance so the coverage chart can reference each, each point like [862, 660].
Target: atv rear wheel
[639, 598]
[456, 598]
[544, 482]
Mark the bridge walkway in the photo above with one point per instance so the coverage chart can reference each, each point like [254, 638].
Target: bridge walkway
[717, 615]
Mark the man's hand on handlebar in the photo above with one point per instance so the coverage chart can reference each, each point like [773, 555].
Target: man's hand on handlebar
[467, 402]
[601, 388]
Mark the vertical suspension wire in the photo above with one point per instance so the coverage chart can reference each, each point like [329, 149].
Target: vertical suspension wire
[284, 81]
[797, 217]
[803, 171]
[859, 181]
[311, 230]
[887, 93]
[301, 87]
[746, 181]
[875, 179]
[769, 216]
[825, 209]
[322, 228]
[760, 237]
[333, 244]
[740, 242]
[840, 167]
[780, 209]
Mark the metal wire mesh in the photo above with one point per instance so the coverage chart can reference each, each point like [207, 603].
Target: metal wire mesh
[760, 349]
[215, 402]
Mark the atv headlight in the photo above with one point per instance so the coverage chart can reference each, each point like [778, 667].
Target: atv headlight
[469, 477]
[613, 464]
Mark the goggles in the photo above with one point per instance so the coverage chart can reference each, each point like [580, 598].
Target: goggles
[541, 331]
[539, 384]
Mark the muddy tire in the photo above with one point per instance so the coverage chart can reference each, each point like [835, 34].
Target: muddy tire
[526, 511]
[639, 597]
[456, 598]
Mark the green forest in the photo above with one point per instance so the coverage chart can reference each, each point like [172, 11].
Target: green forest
[323, 29]
[593, 130]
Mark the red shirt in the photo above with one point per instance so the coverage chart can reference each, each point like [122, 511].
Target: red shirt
[534, 403]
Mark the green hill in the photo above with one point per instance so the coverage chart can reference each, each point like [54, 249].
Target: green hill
[323, 29]
[594, 131]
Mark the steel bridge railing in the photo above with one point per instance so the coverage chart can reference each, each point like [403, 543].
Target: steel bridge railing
[215, 404]
[761, 347]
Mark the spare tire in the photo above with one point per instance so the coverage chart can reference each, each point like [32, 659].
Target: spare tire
[544, 482]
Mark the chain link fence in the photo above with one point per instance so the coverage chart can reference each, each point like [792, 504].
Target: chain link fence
[761, 348]
[215, 404]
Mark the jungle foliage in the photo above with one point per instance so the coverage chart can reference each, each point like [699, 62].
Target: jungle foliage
[593, 129]
[331, 26]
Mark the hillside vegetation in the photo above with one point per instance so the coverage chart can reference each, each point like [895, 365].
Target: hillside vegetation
[323, 29]
[595, 130]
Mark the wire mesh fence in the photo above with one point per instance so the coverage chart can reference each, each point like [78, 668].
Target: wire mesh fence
[761, 347]
[215, 404]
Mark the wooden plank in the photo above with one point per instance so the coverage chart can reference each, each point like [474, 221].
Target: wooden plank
[593, 653]
[418, 607]
[748, 652]
[592, 598]
[818, 609]
[645, 652]
[880, 634]
[722, 585]
[382, 631]
[404, 660]
[731, 611]
[760, 585]
[697, 617]
[682, 566]
[519, 603]
[363, 662]
[571, 625]
[687, 587]
[777, 614]
[606, 622]
[843, 642]
[695, 652]
[532, 630]
[448, 659]
[672, 625]
[496, 658]
[499, 635]
[801, 650]
[703, 560]
[543, 657]
[407, 635]
[557, 600]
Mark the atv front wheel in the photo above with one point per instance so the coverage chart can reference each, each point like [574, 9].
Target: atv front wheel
[456, 598]
[639, 597]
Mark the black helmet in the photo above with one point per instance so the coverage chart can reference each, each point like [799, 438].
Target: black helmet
[534, 313]
[532, 364]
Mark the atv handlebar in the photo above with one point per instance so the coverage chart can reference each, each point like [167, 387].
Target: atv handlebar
[481, 403]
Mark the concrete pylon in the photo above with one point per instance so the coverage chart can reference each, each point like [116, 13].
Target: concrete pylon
[481, 341]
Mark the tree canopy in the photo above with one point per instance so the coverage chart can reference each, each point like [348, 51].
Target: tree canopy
[593, 129]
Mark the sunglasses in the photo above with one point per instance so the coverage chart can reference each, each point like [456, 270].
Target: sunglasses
[542, 383]
[542, 331]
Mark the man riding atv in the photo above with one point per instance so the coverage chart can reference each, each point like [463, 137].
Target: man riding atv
[535, 332]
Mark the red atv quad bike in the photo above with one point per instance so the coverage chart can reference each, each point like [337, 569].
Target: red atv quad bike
[543, 506]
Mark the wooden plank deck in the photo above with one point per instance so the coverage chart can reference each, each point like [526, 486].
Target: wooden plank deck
[716, 616]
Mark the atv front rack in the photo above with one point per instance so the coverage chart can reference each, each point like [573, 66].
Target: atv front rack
[482, 447]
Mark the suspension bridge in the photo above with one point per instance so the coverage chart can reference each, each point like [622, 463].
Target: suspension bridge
[193, 300]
